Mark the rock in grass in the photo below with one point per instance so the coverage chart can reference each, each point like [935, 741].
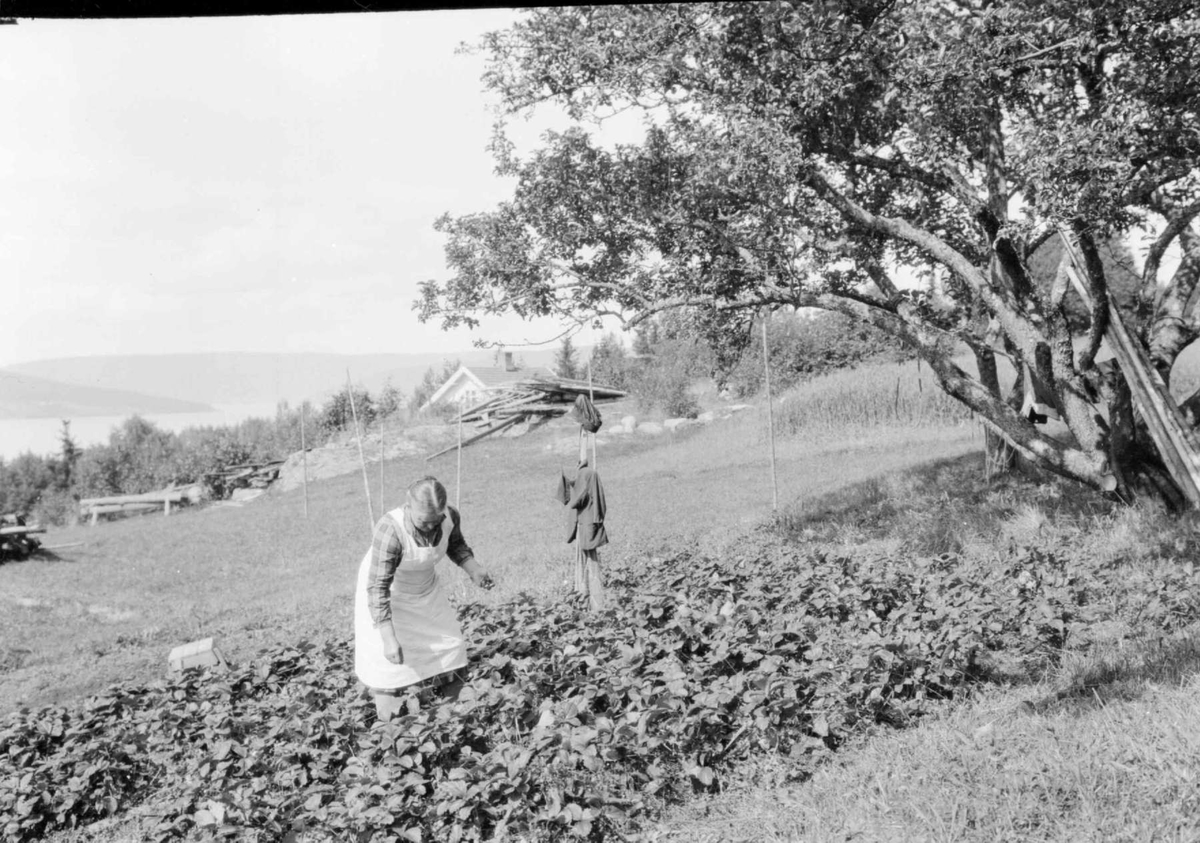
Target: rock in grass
[985, 735]
[518, 429]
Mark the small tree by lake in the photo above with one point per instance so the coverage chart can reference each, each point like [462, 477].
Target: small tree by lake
[566, 361]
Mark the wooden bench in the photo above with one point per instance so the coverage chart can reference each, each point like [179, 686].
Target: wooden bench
[93, 508]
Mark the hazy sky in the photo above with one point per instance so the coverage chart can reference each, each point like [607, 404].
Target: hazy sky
[238, 184]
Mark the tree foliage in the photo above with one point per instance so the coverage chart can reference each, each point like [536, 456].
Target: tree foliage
[803, 346]
[139, 457]
[22, 483]
[609, 362]
[566, 360]
[669, 359]
[895, 162]
[340, 411]
[390, 400]
[430, 382]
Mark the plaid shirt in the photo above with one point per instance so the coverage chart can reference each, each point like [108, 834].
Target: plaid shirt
[387, 548]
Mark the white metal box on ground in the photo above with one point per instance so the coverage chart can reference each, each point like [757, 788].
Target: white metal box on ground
[200, 653]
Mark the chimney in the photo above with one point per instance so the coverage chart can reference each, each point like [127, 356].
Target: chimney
[508, 362]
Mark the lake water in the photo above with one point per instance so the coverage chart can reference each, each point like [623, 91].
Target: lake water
[41, 435]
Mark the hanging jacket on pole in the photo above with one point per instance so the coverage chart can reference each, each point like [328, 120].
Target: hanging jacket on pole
[586, 500]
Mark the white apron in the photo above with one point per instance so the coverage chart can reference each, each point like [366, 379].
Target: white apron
[426, 626]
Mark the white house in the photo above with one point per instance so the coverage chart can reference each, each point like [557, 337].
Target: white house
[469, 384]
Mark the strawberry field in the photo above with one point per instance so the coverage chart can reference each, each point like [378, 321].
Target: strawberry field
[582, 726]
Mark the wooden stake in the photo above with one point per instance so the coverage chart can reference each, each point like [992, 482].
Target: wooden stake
[458, 475]
[770, 414]
[361, 457]
[592, 398]
[382, 498]
[304, 460]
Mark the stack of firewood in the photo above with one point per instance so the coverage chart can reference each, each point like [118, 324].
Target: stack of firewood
[16, 538]
[535, 400]
[247, 476]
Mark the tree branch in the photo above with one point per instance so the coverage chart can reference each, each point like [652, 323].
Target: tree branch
[996, 178]
[898, 167]
[1039, 240]
[1176, 323]
[999, 301]
[1178, 220]
[1098, 289]
[997, 414]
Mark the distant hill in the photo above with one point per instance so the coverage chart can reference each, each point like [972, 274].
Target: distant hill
[24, 396]
[247, 378]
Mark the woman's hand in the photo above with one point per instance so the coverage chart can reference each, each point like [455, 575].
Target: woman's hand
[479, 577]
[391, 646]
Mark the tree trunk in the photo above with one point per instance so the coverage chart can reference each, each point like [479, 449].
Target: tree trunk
[1139, 470]
[1174, 326]
[998, 455]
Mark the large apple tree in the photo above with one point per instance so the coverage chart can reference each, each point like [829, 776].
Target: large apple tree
[898, 162]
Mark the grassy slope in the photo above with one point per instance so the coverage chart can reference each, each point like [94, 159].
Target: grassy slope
[114, 607]
[1101, 749]
[1113, 765]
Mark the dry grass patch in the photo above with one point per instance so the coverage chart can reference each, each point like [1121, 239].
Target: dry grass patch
[1096, 743]
[1111, 755]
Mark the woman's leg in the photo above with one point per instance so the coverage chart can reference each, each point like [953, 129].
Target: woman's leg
[389, 703]
[454, 686]
[451, 689]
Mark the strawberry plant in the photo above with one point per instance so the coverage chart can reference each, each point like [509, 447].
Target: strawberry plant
[581, 724]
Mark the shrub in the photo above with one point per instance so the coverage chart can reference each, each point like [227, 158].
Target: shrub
[140, 457]
[56, 507]
[98, 472]
[22, 482]
[610, 364]
[663, 379]
[391, 400]
[430, 383]
[566, 360]
[679, 401]
[339, 413]
[803, 346]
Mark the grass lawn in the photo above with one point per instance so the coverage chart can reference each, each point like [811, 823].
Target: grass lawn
[1096, 745]
[1092, 744]
[1058, 760]
[254, 576]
